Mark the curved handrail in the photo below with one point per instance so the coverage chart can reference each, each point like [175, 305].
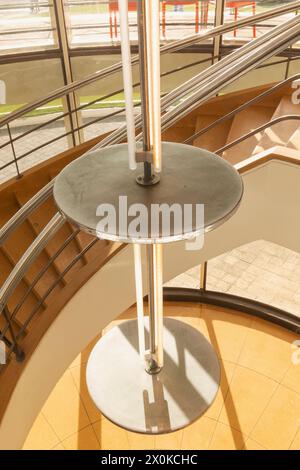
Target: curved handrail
[242, 107]
[213, 79]
[172, 47]
[28, 257]
[25, 210]
[209, 87]
[287, 117]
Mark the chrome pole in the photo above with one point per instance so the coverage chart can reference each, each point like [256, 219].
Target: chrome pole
[154, 357]
[143, 64]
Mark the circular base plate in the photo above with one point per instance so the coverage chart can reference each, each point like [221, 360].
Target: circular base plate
[191, 177]
[153, 404]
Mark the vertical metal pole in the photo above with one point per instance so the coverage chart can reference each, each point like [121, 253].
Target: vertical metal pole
[154, 359]
[143, 63]
[14, 152]
[20, 355]
[203, 275]
[155, 270]
[219, 20]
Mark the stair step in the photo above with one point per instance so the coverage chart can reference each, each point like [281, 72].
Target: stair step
[15, 246]
[39, 219]
[32, 299]
[216, 137]
[281, 133]
[177, 134]
[242, 123]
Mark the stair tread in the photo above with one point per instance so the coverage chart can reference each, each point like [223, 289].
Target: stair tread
[242, 123]
[31, 300]
[39, 219]
[16, 245]
[216, 137]
[281, 133]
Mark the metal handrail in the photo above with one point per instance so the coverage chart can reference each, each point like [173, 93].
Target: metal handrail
[75, 260]
[28, 257]
[95, 101]
[25, 210]
[172, 47]
[249, 61]
[213, 79]
[287, 117]
[252, 54]
[120, 134]
[242, 107]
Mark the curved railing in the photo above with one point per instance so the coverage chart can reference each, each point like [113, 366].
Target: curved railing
[189, 95]
[75, 130]
[267, 125]
[170, 47]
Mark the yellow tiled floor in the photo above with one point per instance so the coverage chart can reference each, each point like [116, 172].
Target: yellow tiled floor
[257, 406]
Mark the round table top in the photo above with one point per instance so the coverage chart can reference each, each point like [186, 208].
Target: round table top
[99, 194]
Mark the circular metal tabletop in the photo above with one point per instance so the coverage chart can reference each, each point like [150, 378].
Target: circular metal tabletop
[190, 176]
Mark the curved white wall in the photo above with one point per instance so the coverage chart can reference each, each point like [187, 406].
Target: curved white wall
[269, 211]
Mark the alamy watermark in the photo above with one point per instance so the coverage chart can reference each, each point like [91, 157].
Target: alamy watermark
[2, 92]
[2, 353]
[296, 353]
[296, 93]
[159, 222]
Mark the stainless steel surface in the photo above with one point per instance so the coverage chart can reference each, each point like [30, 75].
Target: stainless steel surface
[28, 257]
[288, 117]
[209, 84]
[191, 176]
[203, 275]
[155, 360]
[282, 37]
[153, 404]
[173, 46]
[146, 178]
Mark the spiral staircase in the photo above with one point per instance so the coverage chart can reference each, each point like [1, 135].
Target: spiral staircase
[47, 264]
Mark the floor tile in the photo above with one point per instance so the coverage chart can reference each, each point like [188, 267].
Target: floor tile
[140, 441]
[292, 378]
[267, 350]
[110, 436]
[198, 435]
[226, 438]
[227, 371]
[248, 395]
[252, 445]
[41, 436]
[64, 409]
[79, 375]
[226, 331]
[83, 440]
[280, 421]
[171, 441]
[59, 447]
[296, 442]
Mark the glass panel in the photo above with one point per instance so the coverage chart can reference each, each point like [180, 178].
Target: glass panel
[235, 10]
[38, 78]
[26, 25]
[109, 112]
[99, 95]
[46, 141]
[97, 22]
